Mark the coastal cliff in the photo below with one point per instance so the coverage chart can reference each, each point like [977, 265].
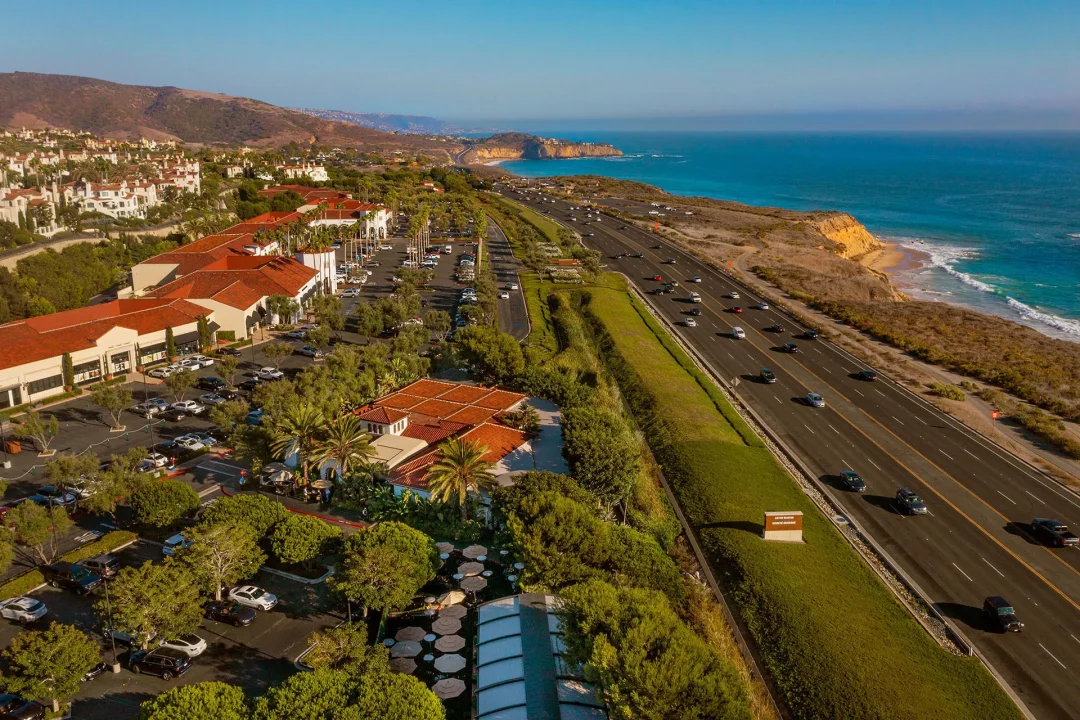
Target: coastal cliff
[518, 146]
[844, 230]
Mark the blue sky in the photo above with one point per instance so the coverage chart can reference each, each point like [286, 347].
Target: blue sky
[544, 60]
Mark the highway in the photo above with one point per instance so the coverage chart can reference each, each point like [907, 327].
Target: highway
[973, 543]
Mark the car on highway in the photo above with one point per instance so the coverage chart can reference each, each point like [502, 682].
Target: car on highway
[254, 597]
[1001, 614]
[188, 407]
[191, 644]
[851, 481]
[694, 297]
[512, 286]
[789, 348]
[23, 610]
[657, 246]
[175, 543]
[767, 376]
[695, 279]
[671, 284]
[810, 335]
[738, 333]
[737, 310]
[163, 662]
[910, 503]
[16, 707]
[657, 278]
[694, 311]
[1053, 532]
[234, 613]
[590, 233]
[504, 295]
[669, 261]
[815, 400]
[762, 306]
[71, 577]
[638, 255]
[690, 322]
[867, 375]
[269, 373]
[775, 328]
[733, 295]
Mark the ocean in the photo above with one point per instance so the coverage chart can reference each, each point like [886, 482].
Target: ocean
[995, 218]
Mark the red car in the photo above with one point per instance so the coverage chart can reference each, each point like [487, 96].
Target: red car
[737, 310]
[657, 278]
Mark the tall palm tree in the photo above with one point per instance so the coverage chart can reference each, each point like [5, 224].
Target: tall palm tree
[298, 428]
[461, 468]
[344, 442]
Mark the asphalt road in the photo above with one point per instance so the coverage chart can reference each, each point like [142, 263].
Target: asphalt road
[974, 543]
[513, 316]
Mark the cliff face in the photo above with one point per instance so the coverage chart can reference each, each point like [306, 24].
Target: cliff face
[517, 146]
[849, 233]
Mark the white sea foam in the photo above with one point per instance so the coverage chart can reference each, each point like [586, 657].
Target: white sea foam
[1070, 327]
[1074, 235]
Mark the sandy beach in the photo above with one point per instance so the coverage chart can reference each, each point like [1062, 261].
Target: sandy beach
[894, 259]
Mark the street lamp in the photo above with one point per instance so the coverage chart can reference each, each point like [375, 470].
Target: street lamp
[115, 667]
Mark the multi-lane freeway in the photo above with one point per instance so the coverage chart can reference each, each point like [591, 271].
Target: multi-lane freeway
[974, 541]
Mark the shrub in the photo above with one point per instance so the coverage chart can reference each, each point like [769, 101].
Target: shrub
[163, 503]
[950, 392]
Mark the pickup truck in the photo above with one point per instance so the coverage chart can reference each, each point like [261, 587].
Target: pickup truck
[1053, 532]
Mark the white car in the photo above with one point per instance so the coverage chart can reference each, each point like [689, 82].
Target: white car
[690, 322]
[762, 306]
[738, 333]
[161, 372]
[351, 293]
[155, 460]
[189, 443]
[504, 295]
[188, 407]
[733, 295]
[212, 399]
[189, 364]
[384, 246]
[512, 286]
[23, 610]
[203, 360]
[695, 279]
[191, 644]
[269, 373]
[253, 597]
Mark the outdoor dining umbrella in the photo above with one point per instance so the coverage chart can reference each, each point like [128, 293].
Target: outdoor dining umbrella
[473, 584]
[451, 598]
[322, 484]
[454, 611]
[449, 663]
[403, 665]
[448, 688]
[411, 632]
[474, 551]
[406, 648]
[449, 643]
[471, 568]
[444, 626]
[445, 547]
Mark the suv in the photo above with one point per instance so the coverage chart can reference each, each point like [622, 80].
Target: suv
[163, 662]
[768, 376]
[910, 503]
[1001, 615]
[105, 566]
[211, 384]
[851, 481]
[231, 612]
[70, 576]
[867, 375]
[1053, 532]
[13, 707]
[23, 610]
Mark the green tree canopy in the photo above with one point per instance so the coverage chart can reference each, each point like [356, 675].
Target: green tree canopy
[154, 600]
[222, 554]
[212, 700]
[37, 530]
[45, 665]
[495, 354]
[602, 453]
[384, 566]
[258, 512]
[302, 538]
[164, 503]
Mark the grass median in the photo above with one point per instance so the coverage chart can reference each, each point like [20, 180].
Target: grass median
[834, 639]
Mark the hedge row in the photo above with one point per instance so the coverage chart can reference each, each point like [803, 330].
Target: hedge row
[29, 580]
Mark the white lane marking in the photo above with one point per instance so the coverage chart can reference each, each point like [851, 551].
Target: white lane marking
[962, 572]
[731, 356]
[1052, 655]
[1066, 498]
[808, 428]
[1074, 637]
[832, 428]
[921, 420]
[881, 393]
[971, 453]
[945, 453]
[1006, 497]
[897, 419]
[778, 400]
[1032, 495]
[872, 463]
[858, 392]
[993, 568]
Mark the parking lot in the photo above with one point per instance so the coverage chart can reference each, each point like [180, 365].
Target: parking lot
[253, 657]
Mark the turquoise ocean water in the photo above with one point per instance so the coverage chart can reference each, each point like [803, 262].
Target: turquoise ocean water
[998, 216]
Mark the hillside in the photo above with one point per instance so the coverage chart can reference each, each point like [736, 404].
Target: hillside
[167, 113]
[412, 124]
[515, 146]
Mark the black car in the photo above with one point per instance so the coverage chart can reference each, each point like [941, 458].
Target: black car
[163, 662]
[172, 415]
[694, 311]
[768, 376]
[95, 671]
[851, 481]
[638, 255]
[1053, 532]
[620, 256]
[231, 352]
[790, 348]
[70, 577]
[230, 612]
[657, 246]
[867, 375]
[776, 328]
[167, 448]
[810, 334]
[13, 707]
[1001, 615]
[212, 384]
[910, 503]
[250, 384]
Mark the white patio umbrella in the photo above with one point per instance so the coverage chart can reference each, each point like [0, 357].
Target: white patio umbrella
[445, 626]
[448, 688]
[449, 643]
[454, 611]
[403, 665]
[474, 551]
[449, 663]
[473, 584]
[471, 568]
[451, 598]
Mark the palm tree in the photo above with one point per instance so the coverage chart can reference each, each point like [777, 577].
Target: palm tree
[460, 469]
[298, 429]
[344, 442]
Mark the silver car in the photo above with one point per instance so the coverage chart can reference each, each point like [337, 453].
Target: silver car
[815, 400]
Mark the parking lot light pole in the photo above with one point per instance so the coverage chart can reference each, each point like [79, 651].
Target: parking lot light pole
[115, 667]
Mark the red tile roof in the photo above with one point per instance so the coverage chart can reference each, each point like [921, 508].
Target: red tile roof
[465, 393]
[241, 281]
[49, 336]
[399, 400]
[499, 441]
[429, 388]
[471, 414]
[431, 430]
[384, 415]
[438, 408]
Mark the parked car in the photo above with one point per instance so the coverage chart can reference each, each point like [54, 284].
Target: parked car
[96, 671]
[211, 384]
[189, 443]
[231, 612]
[70, 577]
[161, 372]
[269, 373]
[851, 481]
[212, 399]
[105, 566]
[1053, 532]
[188, 407]
[173, 415]
[145, 409]
[189, 364]
[910, 503]
[768, 376]
[350, 293]
[250, 384]
[311, 352]
[154, 460]
[867, 375]
[58, 496]
[253, 596]
[205, 438]
[163, 662]
[1001, 614]
[191, 644]
[231, 352]
[815, 400]
[255, 417]
[297, 334]
[160, 403]
[15, 707]
[176, 542]
[203, 360]
[23, 610]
